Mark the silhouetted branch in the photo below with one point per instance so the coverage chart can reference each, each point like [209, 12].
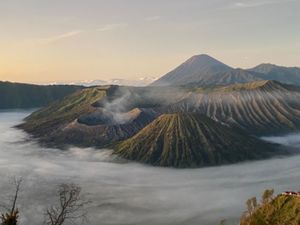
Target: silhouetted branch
[70, 207]
[11, 217]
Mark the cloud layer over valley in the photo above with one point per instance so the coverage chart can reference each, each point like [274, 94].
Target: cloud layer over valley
[129, 193]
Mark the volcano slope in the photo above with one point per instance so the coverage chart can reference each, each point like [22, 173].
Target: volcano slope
[97, 116]
[192, 140]
[259, 108]
[101, 116]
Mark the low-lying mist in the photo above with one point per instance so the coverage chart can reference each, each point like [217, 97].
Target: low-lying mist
[130, 193]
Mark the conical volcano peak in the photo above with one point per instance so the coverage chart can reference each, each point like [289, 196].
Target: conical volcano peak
[199, 68]
[191, 140]
[205, 59]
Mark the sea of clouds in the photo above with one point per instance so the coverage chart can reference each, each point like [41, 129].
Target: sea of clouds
[129, 193]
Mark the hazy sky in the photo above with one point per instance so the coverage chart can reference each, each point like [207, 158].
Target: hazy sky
[70, 40]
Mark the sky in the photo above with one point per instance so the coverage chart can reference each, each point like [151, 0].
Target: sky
[44, 41]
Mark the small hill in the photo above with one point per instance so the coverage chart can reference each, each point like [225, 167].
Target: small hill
[290, 75]
[283, 210]
[58, 114]
[191, 140]
[17, 95]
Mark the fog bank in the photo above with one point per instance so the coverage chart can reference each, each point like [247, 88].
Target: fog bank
[131, 193]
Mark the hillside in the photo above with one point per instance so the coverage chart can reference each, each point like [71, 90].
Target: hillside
[283, 210]
[192, 140]
[17, 95]
[59, 113]
[290, 75]
[90, 117]
[259, 108]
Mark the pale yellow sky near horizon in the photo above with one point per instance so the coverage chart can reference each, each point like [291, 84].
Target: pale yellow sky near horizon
[44, 41]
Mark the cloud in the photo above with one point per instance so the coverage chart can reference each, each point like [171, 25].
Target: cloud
[152, 18]
[60, 37]
[253, 4]
[113, 26]
[132, 191]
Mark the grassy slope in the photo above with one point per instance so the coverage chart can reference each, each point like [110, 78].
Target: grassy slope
[283, 210]
[63, 112]
[190, 140]
[16, 95]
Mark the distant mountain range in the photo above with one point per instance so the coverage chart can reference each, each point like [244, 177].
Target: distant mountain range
[18, 95]
[140, 82]
[203, 70]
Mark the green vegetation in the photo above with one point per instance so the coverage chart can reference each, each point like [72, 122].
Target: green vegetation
[260, 84]
[246, 86]
[282, 210]
[191, 140]
[59, 113]
[16, 95]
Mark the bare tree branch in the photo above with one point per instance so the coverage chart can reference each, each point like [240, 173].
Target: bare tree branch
[70, 207]
[11, 217]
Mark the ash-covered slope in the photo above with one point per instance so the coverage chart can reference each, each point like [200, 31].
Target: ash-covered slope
[259, 108]
[191, 140]
[203, 70]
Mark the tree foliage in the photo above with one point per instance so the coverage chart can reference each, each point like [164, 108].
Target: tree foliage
[267, 196]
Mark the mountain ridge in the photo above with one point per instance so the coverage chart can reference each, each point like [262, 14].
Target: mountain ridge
[204, 70]
[21, 95]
